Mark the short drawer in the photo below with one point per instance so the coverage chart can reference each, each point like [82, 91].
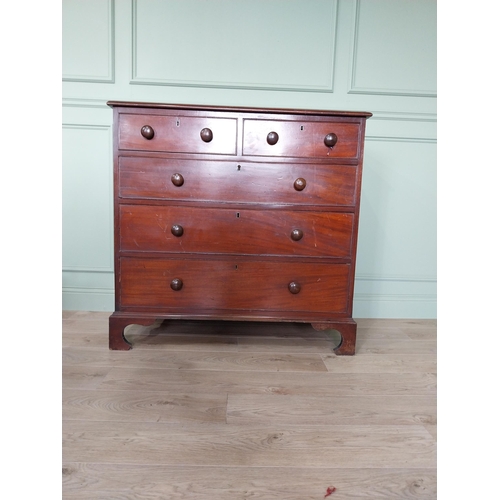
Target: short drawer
[233, 182]
[174, 284]
[301, 139]
[223, 231]
[177, 134]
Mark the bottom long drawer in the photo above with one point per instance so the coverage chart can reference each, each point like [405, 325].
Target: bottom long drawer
[176, 284]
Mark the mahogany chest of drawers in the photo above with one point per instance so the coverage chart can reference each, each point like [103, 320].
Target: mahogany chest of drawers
[236, 214]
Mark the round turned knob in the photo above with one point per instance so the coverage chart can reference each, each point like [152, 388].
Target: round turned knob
[206, 134]
[147, 132]
[272, 138]
[294, 287]
[296, 234]
[177, 230]
[299, 184]
[176, 284]
[330, 140]
[177, 180]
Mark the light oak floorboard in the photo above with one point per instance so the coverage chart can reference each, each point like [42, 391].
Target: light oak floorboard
[85, 326]
[395, 346]
[377, 333]
[82, 481]
[343, 446]
[191, 360]
[420, 334]
[289, 345]
[84, 339]
[341, 410]
[277, 383]
[87, 315]
[170, 342]
[139, 406]
[83, 377]
[381, 363]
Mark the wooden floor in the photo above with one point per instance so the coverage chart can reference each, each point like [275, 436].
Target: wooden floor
[229, 411]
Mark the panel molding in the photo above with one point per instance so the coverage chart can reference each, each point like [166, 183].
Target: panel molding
[404, 116]
[381, 138]
[136, 80]
[83, 126]
[388, 92]
[110, 76]
[402, 127]
[397, 278]
[74, 102]
[73, 289]
[109, 268]
[89, 269]
[374, 91]
[395, 297]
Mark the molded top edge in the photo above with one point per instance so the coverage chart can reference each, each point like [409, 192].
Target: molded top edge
[194, 107]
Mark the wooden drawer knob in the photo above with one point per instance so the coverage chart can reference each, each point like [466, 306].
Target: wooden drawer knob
[206, 135]
[147, 132]
[176, 284]
[294, 287]
[330, 140]
[177, 180]
[299, 184]
[296, 234]
[272, 138]
[177, 230]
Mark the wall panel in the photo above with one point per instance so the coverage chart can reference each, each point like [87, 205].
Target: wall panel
[235, 44]
[88, 40]
[399, 59]
[397, 233]
[87, 210]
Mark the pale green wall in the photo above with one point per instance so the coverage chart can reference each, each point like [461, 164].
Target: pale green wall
[368, 55]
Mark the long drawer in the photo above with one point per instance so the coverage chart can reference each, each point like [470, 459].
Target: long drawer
[215, 230]
[177, 284]
[233, 182]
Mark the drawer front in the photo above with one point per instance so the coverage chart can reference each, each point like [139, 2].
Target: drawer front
[300, 139]
[202, 230]
[233, 285]
[233, 182]
[177, 134]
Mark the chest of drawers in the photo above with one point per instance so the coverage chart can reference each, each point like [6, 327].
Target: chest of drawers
[226, 213]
